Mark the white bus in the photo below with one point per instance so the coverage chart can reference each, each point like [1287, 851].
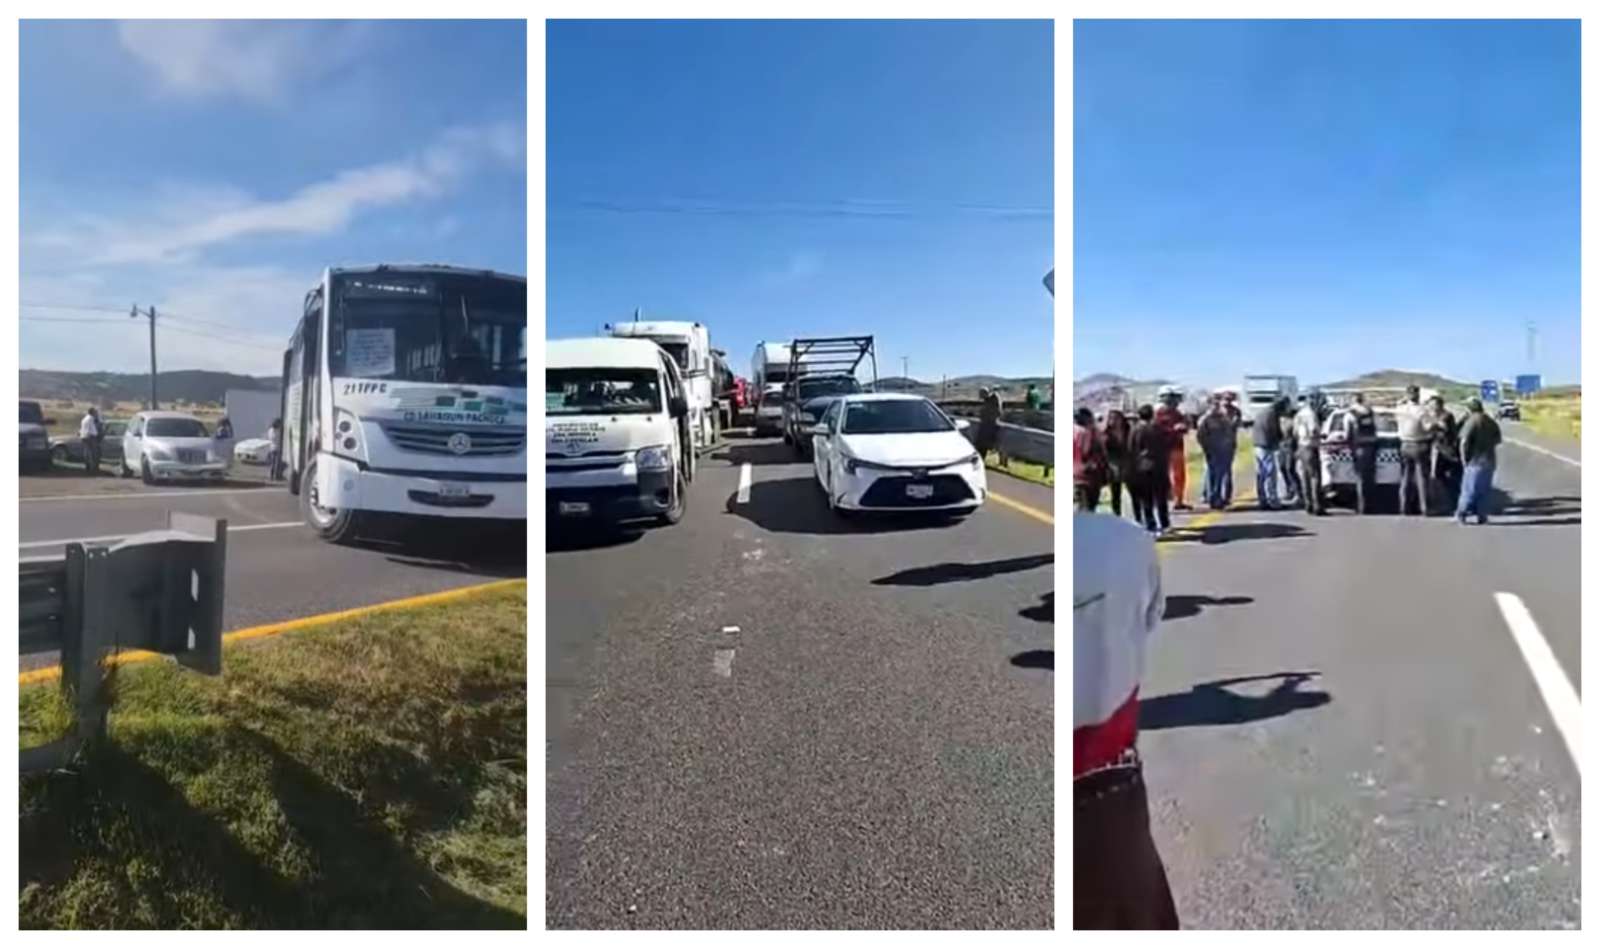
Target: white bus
[405, 392]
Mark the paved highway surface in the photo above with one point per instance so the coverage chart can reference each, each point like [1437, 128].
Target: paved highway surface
[765, 717]
[1391, 762]
[277, 568]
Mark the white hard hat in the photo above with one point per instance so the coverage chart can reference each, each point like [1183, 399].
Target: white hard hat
[1165, 391]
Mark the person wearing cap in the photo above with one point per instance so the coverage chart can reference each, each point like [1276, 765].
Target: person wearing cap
[1308, 444]
[1118, 880]
[1169, 416]
[1445, 459]
[1416, 444]
[1267, 432]
[1480, 436]
[1218, 437]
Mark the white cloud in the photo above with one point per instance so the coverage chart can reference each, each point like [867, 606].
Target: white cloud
[183, 221]
[262, 61]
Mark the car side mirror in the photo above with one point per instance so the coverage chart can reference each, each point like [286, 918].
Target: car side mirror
[818, 429]
[963, 424]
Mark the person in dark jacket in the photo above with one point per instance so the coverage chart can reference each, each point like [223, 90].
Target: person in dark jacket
[1480, 436]
[1267, 431]
[1115, 439]
[1445, 468]
[988, 434]
[1289, 453]
[1361, 432]
[1151, 452]
[1218, 440]
[1088, 461]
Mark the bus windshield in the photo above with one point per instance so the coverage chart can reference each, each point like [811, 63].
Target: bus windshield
[426, 327]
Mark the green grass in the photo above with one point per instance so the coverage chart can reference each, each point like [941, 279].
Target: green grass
[370, 774]
[1025, 470]
[1554, 417]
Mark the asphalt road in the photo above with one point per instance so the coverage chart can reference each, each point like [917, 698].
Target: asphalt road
[765, 717]
[1391, 763]
[277, 568]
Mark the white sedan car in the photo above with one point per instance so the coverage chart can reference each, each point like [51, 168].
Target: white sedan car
[252, 451]
[1338, 464]
[173, 446]
[895, 452]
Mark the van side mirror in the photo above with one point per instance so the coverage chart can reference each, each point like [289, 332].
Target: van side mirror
[678, 406]
[818, 429]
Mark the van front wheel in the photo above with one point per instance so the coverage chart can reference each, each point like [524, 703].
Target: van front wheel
[680, 502]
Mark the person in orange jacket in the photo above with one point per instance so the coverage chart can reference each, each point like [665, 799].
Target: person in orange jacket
[1171, 418]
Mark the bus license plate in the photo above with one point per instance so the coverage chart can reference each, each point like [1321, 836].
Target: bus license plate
[919, 490]
[452, 490]
[574, 508]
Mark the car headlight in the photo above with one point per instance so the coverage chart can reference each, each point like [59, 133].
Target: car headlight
[347, 432]
[973, 460]
[654, 458]
[160, 452]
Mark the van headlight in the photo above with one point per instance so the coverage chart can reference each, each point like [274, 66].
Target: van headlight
[654, 458]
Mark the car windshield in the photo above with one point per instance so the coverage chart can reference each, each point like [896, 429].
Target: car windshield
[175, 428]
[893, 417]
[449, 328]
[602, 392]
[32, 414]
[843, 385]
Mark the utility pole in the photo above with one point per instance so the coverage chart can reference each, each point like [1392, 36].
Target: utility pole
[905, 370]
[152, 315]
[1533, 337]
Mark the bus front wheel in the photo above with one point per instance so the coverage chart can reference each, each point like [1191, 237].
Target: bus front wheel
[332, 524]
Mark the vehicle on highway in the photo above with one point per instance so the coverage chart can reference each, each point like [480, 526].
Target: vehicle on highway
[69, 448]
[252, 451]
[33, 447]
[895, 452]
[617, 439]
[804, 404]
[405, 394]
[1338, 463]
[689, 345]
[172, 446]
[769, 371]
[1510, 410]
[1263, 390]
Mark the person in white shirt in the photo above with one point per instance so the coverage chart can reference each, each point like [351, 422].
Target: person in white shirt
[1416, 445]
[1117, 603]
[1308, 451]
[89, 433]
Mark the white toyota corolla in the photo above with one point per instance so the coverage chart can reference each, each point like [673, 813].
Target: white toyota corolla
[894, 452]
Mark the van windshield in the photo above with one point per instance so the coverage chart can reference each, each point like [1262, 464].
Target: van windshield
[602, 392]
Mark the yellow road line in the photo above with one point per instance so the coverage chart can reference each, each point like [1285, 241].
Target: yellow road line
[1021, 508]
[305, 622]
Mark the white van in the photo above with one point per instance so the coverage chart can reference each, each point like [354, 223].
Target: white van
[617, 439]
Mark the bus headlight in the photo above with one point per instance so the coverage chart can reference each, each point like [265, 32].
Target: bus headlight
[347, 433]
[654, 458]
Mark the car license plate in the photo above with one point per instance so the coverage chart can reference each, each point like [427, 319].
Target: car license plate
[452, 490]
[919, 490]
[192, 457]
[574, 508]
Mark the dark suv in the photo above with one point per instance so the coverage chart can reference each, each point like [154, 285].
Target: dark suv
[34, 445]
[805, 401]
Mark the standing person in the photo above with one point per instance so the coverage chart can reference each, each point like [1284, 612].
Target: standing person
[1288, 454]
[1480, 436]
[1171, 418]
[1118, 881]
[1361, 433]
[1218, 440]
[1118, 469]
[274, 435]
[1308, 442]
[1088, 461]
[1446, 454]
[1151, 453]
[1415, 448]
[89, 432]
[1034, 399]
[1268, 435]
[988, 423]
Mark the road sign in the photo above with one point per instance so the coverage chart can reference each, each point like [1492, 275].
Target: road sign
[1528, 385]
[1489, 391]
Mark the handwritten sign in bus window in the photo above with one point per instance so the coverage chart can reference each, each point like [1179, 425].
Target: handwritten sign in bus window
[369, 352]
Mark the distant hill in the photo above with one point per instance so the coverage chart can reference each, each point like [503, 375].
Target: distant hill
[1391, 378]
[187, 385]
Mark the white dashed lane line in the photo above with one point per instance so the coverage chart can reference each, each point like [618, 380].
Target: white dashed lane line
[744, 484]
[1545, 451]
[1566, 710]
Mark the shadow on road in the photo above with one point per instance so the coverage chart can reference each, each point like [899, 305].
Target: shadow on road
[1035, 659]
[1554, 511]
[757, 453]
[1228, 533]
[1210, 703]
[796, 506]
[961, 572]
[559, 540]
[460, 548]
[1043, 612]
[1182, 606]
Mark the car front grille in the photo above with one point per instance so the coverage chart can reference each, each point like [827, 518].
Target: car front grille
[891, 492]
[435, 440]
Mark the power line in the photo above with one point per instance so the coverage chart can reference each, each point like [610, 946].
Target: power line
[67, 319]
[117, 309]
[237, 341]
[73, 306]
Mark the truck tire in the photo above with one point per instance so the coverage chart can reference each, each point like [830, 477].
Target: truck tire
[334, 526]
[680, 503]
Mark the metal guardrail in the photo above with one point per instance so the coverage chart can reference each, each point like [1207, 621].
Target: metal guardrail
[1033, 445]
[160, 591]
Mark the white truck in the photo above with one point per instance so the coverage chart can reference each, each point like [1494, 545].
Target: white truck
[689, 345]
[1260, 391]
[769, 372]
[251, 411]
[616, 433]
[405, 393]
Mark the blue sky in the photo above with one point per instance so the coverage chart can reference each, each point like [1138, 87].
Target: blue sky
[774, 180]
[214, 168]
[1325, 199]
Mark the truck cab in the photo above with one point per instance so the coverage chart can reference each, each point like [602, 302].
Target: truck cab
[689, 345]
[618, 445]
